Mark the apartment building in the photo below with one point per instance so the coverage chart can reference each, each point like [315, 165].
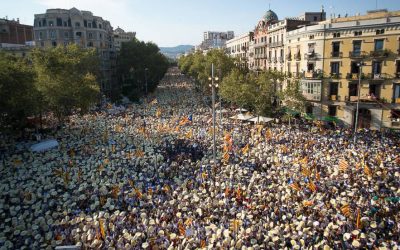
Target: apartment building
[62, 27]
[120, 36]
[239, 47]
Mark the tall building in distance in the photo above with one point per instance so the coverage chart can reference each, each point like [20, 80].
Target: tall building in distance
[15, 38]
[215, 40]
[239, 47]
[120, 36]
[63, 27]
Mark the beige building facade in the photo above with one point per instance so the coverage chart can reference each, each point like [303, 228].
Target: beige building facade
[239, 48]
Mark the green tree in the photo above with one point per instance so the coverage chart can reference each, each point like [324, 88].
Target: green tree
[18, 94]
[67, 78]
[134, 58]
[293, 98]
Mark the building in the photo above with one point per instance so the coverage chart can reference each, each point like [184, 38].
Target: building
[215, 40]
[327, 57]
[120, 36]
[12, 32]
[239, 47]
[63, 27]
[258, 49]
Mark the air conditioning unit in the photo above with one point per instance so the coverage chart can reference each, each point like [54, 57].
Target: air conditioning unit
[333, 97]
[377, 76]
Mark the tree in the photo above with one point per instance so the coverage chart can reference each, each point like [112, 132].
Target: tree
[18, 94]
[67, 78]
[134, 58]
[293, 98]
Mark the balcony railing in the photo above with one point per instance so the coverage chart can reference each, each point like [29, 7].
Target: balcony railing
[274, 59]
[358, 54]
[310, 56]
[380, 76]
[313, 75]
[379, 53]
[297, 56]
[276, 44]
[289, 57]
[336, 54]
[354, 76]
[334, 97]
[336, 75]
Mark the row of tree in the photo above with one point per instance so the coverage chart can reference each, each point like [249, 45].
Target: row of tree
[140, 64]
[261, 92]
[58, 80]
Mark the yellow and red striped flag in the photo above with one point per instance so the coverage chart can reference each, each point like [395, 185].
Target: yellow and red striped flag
[343, 165]
[312, 186]
[305, 171]
[227, 191]
[226, 157]
[189, 222]
[295, 186]
[345, 209]
[181, 228]
[308, 203]
[245, 149]
[317, 175]
[189, 134]
[202, 243]
[268, 134]
[154, 102]
[358, 221]
[235, 225]
[138, 193]
[139, 153]
[367, 170]
[102, 229]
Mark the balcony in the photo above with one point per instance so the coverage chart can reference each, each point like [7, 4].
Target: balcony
[334, 98]
[289, 57]
[336, 75]
[397, 75]
[297, 56]
[281, 59]
[310, 56]
[379, 53]
[274, 59]
[269, 59]
[358, 54]
[336, 54]
[313, 75]
[276, 44]
[355, 76]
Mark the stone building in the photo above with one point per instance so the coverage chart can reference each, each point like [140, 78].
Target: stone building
[120, 36]
[62, 27]
[239, 47]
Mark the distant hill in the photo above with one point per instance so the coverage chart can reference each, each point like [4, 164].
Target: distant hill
[173, 52]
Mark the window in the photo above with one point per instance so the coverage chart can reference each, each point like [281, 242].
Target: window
[51, 23]
[52, 34]
[353, 89]
[90, 25]
[42, 44]
[335, 49]
[332, 110]
[59, 22]
[311, 48]
[54, 43]
[90, 35]
[380, 31]
[357, 33]
[66, 35]
[333, 88]
[40, 35]
[397, 69]
[84, 23]
[288, 68]
[356, 48]
[78, 34]
[336, 35]
[77, 24]
[335, 68]
[374, 91]
[69, 22]
[297, 69]
[311, 37]
[40, 24]
[378, 45]
[44, 23]
[376, 67]
[65, 24]
[310, 67]
[281, 55]
[90, 44]
[396, 91]
[101, 36]
[355, 69]
[99, 26]
[270, 40]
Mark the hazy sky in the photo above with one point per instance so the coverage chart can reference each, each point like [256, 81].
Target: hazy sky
[174, 22]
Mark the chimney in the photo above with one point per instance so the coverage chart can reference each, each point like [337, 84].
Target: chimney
[17, 20]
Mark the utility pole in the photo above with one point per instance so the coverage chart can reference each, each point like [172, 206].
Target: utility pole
[213, 86]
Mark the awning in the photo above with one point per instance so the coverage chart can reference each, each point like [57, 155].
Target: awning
[241, 110]
[242, 117]
[261, 119]
[44, 146]
[223, 111]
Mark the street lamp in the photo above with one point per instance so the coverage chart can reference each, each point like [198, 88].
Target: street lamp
[360, 65]
[213, 85]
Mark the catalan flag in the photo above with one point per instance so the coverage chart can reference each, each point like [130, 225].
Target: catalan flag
[139, 153]
[113, 148]
[226, 157]
[259, 128]
[245, 149]
[184, 121]
[317, 175]
[295, 186]
[308, 203]
[345, 209]
[227, 137]
[367, 170]
[181, 228]
[189, 222]
[202, 243]
[138, 193]
[227, 191]
[268, 134]
[158, 113]
[312, 186]
[102, 229]
[235, 224]
[343, 165]
[189, 134]
[305, 171]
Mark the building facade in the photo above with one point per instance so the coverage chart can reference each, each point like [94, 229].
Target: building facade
[215, 40]
[12, 32]
[62, 27]
[239, 47]
[120, 36]
[327, 58]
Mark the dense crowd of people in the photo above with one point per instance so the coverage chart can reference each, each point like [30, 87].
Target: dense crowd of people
[143, 177]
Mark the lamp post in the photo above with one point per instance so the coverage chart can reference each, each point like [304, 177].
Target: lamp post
[360, 65]
[213, 85]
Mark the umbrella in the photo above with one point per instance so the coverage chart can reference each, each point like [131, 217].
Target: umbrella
[222, 111]
[261, 119]
[241, 110]
[242, 117]
[44, 146]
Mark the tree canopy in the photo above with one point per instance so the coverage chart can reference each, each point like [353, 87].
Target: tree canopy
[133, 60]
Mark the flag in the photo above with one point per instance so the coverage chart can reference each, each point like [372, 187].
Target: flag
[166, 188]
[138, 193]
[227, 137]
[204, 175]
[268, 134]
[308, 203]
[238, 193]
[295, 186]
[115, 192]
[312, 186]
[102, 229]
[305, 171]
[188, 222]
[345, 209]
[177, 128]
[154, 102]
[259, 128]
[245, 149]
[235, 224]
[227, 192]
[358, 222]
[367, 170]
[226, 157]
[184, 121]
[150, 191]
[189, 134]
[109, 106]
[202, 243]
[158, 113]
[284, 149]
[181, 229]
[139, 153]
[317, 175]
[343, 165]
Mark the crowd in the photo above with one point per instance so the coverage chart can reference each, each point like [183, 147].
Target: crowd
[144, 178]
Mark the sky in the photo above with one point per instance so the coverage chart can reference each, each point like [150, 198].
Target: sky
[176, 22]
